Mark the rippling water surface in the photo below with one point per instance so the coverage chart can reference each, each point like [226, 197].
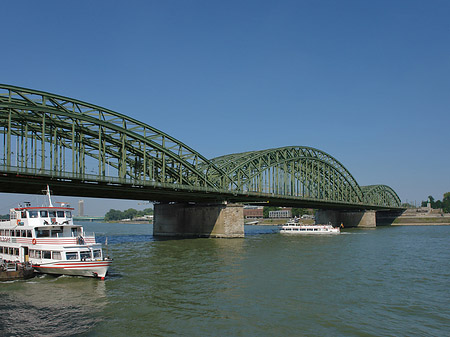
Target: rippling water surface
[383, 282]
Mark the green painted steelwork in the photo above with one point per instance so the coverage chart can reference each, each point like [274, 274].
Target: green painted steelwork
[52, 126]
[381, 195]
[67, 140]
[294, 171]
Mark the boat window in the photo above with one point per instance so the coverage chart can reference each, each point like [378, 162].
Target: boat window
[6, 232]
[38, 254]
[68, 214]
[97, 254]
[2, 232]
[12, 215]
[31, 252]
[44, 214]
[29, 233]
[55, 232]
[42, 233]
[18, 233]
[46, 254]
[72, 256]
[33, 214]
[24, 214]
[85, 255]
[56, 255]
[23, 233]
[74, 231]
[52, 214]
[60, 214]
[1, 250]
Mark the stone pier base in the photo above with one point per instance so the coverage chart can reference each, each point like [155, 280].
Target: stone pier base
[361, 219]
[218, 220]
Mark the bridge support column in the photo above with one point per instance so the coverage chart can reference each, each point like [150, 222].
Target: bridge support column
[386, 218]
[360, 219]
[218, 220]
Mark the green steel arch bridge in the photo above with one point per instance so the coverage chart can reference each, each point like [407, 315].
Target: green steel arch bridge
[81, 149]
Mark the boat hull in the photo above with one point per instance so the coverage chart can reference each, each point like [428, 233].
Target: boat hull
[21, 272]
[297, 229]
[309, 233]
[76, 268]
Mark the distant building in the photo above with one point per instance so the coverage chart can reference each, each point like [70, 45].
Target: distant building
[253, 212]
[81, 208]
[282, 213]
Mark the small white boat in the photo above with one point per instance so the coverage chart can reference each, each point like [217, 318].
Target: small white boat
[47, 238]
[297, 228]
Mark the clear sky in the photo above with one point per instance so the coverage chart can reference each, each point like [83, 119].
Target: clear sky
[365, 81]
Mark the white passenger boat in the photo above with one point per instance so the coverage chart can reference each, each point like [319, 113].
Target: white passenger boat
[47, 237]
[292, 227]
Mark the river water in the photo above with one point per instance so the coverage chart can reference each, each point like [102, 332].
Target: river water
[390, 281]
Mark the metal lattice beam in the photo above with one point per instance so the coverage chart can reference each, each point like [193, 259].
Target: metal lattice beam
[53, 137]
[133, 149]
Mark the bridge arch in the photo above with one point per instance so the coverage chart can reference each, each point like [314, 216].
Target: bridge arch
[381, 195]
[44, 132]
[55, 137]
[293, 171]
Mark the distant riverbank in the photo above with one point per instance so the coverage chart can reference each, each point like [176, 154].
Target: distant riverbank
[275, 222]
[422, 221]
[131, 222]
[400, 221]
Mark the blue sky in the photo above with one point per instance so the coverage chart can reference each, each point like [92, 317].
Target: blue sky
[365, 81]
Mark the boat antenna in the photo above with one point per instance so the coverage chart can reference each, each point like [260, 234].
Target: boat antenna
[49, 196]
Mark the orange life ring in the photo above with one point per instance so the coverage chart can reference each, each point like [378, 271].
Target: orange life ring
[33, 241]
[18, 221]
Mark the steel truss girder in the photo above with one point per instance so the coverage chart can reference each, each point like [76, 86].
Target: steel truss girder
[331, 180]
[99, 127]
[47, 126]
[381, 195]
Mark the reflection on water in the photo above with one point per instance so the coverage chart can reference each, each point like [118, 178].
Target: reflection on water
[387, 281]
[51, 306]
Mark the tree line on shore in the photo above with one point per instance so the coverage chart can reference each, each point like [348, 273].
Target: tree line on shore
[131, 213]
[435, 204]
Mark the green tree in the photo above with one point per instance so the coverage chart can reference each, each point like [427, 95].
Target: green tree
[113, 215]
[446, 202]
[432, 202]
[130, 213]
[298, 212]
[147, 211]
[267, 209]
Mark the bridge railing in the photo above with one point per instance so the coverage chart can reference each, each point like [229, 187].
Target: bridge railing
[103, 179]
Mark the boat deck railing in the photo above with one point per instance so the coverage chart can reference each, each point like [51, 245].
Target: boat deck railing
[75, 235]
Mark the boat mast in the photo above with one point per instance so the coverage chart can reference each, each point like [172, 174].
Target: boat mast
[49, 197]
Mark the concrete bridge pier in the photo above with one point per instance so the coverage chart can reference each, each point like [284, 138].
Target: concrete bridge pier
[360, 219]
[210, 220]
